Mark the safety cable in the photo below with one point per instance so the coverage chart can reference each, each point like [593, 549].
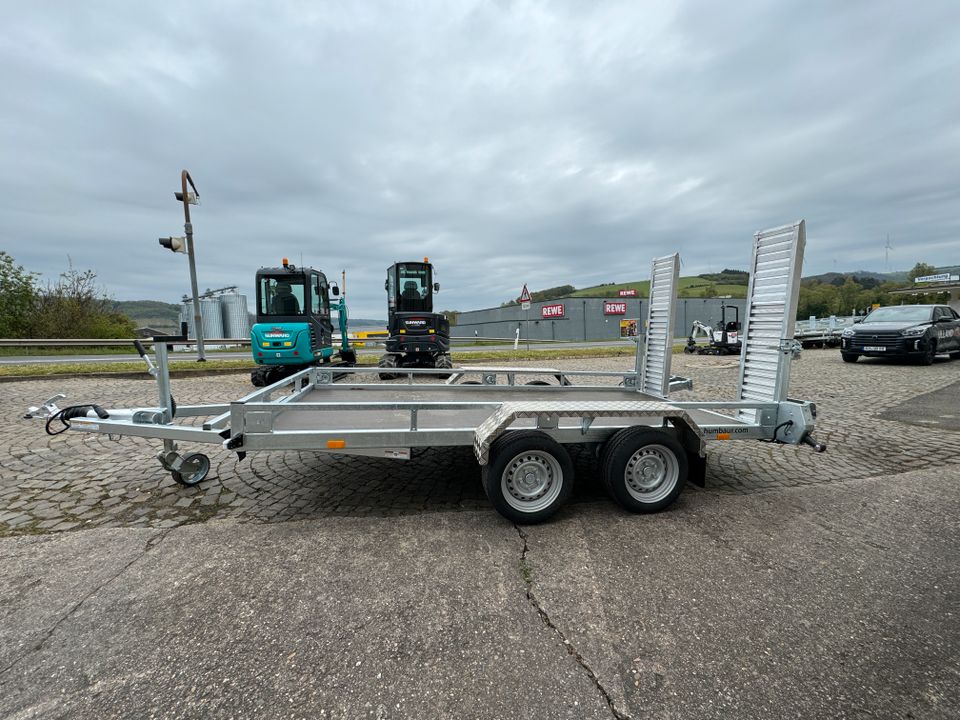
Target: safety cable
[788, 423]
[65, 415]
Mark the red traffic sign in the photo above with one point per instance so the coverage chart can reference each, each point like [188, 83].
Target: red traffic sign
[524, 295]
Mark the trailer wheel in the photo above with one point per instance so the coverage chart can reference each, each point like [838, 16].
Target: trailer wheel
[388, 361]
[193, 469]
[644, 470]
[529, 476]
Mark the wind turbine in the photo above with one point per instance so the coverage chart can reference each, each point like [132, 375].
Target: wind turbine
[887, 248]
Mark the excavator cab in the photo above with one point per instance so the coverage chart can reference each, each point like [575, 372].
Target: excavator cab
[419, 337]
[294, 328]
[410, 287]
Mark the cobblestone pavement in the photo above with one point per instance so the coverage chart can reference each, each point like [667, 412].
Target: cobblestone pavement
[76, 480]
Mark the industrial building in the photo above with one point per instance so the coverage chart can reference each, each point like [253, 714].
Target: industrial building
[582, 318]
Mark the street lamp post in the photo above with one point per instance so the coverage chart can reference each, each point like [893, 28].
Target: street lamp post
[189, 199]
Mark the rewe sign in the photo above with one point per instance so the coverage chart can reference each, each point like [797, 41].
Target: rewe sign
[548, 312]
[627, 293]
[612, 307]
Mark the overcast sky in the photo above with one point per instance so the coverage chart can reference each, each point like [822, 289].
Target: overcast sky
[547, 143]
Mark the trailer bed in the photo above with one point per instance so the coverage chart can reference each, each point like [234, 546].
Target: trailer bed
[488, 400]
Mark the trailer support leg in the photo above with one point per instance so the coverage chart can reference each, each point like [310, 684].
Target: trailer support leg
[163, 381]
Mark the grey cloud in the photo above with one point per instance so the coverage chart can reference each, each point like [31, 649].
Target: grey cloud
[545, 143]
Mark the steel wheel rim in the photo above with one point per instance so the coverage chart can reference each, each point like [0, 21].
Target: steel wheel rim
[194, 468]
[531, 481]
[651, 473]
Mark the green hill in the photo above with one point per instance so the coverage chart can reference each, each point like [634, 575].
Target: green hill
[689, 287]
[150, 313]
[166, 316]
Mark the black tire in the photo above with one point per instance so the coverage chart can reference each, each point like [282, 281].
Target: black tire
[268, 376]
[849, 357]
[636, 450]
[193, 471]
[388, 361]
[258, 377]
[275, 373]
[529, 476]
[444, 362]
[930, 354]
[955, 355]
[471, 382]
[537, 382]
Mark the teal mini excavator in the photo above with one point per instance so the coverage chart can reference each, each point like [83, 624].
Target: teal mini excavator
[294, 329]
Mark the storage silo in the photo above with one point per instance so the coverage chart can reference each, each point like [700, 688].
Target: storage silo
[186, 316]
[212, 318]
[236, 320]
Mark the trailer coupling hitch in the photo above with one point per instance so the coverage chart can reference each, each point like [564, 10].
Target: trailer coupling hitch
[816, 445]
[45, 410]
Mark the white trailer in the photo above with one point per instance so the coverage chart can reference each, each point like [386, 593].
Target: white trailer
[649, 445]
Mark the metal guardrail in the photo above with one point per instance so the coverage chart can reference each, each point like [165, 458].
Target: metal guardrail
[108, 342]
[242, 342]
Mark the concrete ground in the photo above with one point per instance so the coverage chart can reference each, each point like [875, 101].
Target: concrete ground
[794, 585]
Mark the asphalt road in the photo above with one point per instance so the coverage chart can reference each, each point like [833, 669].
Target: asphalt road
[245, 354]
[937, 410]
[834, 601]
[295, 584]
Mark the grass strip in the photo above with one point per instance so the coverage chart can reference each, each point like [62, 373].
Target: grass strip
[191, 366]
[47, 351]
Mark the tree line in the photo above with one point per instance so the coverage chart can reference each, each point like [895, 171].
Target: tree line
[850, 294]
[844, 294]
[76, 307]
[72, 307]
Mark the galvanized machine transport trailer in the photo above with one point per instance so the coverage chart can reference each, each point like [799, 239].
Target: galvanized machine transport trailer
[648, 445]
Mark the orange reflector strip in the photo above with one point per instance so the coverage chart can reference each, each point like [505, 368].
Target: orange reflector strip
[336, 444]
[723, 436]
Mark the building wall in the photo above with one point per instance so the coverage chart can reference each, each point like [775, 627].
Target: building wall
[583, 319]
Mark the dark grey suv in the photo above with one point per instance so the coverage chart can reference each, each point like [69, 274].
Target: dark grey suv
[904, 331]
